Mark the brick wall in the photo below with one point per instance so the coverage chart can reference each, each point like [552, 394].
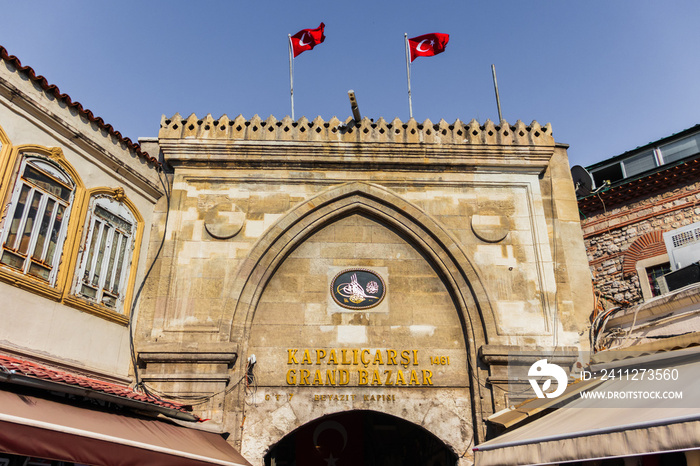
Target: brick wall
[609, 235]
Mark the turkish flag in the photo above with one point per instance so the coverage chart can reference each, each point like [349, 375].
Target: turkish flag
[336, 440]
[307, 39]
[428, 45]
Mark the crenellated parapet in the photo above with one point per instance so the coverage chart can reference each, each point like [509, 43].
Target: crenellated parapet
[365, 131]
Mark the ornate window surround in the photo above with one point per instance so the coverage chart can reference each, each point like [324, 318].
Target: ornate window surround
[61, 290]
[72, 296]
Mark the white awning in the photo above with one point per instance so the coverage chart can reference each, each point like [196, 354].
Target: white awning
[588, 429]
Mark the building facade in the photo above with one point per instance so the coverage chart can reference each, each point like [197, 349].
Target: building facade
[76, 209]
[77, 205]
[653, 189]
[354, 289]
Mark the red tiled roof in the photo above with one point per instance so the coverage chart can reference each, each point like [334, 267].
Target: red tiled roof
[53, 89]
[637, 189]
[38, 371]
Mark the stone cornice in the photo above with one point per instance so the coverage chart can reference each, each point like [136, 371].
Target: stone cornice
[363, 146]
[333, 130]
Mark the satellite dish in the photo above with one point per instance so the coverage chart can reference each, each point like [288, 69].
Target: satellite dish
[583, 182]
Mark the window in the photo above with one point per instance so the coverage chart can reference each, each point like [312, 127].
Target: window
[104, 264]
[639, 163]
[612, 173]
[36, 219]
[681, 149]
[653, 273]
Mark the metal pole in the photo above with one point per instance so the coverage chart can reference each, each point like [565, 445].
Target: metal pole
[291, 74]
[408, 76]
[495, 85]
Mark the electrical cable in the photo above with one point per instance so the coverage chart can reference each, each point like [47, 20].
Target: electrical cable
[134, 362]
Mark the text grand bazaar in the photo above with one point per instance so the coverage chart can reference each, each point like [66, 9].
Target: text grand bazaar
[384, 370]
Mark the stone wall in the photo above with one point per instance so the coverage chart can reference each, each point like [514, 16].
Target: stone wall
[474, 229]
[609, 234]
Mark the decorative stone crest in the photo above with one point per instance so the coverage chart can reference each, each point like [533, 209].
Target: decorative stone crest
[358, 289]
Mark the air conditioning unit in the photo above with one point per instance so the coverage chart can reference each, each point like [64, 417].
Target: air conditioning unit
[678, 279]
[683, 245]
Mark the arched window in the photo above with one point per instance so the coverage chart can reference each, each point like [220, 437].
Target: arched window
[648, 258]
[36, 220]
[106, 252]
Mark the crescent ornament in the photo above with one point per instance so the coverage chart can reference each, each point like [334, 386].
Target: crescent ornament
[421, 43]
[301, 40]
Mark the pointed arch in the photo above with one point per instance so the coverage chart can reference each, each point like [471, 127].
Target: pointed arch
[439, 246]
[352, 435]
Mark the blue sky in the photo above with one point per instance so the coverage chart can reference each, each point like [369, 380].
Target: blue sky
[608, 75]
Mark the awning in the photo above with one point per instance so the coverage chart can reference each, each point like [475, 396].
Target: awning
[590, 429]
[33, 426]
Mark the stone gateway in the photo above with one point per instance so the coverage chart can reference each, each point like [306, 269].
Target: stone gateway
[338, 291]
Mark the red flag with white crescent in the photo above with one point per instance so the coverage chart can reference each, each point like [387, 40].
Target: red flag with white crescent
[307, 39]
[428, 45]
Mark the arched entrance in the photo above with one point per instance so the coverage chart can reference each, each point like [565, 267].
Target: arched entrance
[360, 438]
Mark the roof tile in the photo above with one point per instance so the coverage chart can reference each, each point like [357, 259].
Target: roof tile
[53, 89]
[31, 369]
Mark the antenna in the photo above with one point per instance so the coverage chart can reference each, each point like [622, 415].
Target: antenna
[583, 182]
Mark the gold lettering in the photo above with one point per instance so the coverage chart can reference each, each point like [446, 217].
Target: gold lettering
[304, 377]
[332, 357]
[427, 375]
[366, 397]
[318, 380]
[375, 378]
[414, 378]
[378, 357]
[400, 380]
[391, 357]
[343, 376]
[405, 357]
[330, 377]
[354, 356]
[317, 397]
[366, 363]
[387, 380]
[344, 352]
[307, 358]
[415, 357]
[291, 377]
[292, 353]
[362, 375]
[320, 354]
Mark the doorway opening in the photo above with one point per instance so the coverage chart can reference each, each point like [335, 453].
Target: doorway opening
[360, 438]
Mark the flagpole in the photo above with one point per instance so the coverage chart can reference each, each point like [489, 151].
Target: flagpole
[291, 74]
[495, 86]
[408, 76]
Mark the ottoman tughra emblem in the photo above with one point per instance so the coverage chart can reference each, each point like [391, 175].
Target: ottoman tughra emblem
[357, 289]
